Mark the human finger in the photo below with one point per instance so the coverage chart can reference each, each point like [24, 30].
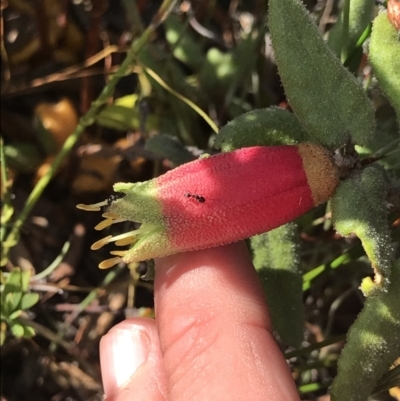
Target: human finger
[215, 331]
[131, 362]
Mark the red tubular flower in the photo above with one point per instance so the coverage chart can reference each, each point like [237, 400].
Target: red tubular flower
[218, 199]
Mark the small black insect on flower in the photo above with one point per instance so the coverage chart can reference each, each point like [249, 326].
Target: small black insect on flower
[112, 198]
[198, 198]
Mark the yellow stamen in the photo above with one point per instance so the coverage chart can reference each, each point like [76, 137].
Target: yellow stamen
[96, 207]
[88, 208]
[120, 240]
[100, 243]
[130, 234]
[106, 264]
[126, 241]
[119, 253]
[104, 224]
[109, 215]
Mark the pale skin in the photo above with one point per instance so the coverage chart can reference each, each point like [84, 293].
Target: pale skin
[211, 339]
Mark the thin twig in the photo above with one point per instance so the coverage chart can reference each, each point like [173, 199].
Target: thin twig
[46, 272]
[64, 74]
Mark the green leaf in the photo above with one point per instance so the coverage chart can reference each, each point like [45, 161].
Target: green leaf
[172, 74]
[119, 118]
[3, 335]
[122, 118]
[384, 56]
[277, 261]
[7, 213]
[326, 98]
[185, 48]
[5, 307]
[223, 72]
[373, 344]
[264, 127]
[245, 55]
[12, 301]
[3, 332]
[44, 136]
[169, 147]
[128, 101]
[13, 281]
[218, 71]
[25, 278]
[28, 300]
[16, 314]
[23, 157]
[29, 332]
[17, 329]
[186, 120]
[358, 206]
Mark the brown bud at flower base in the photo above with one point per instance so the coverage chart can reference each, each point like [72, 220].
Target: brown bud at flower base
[322, 176]
[393, 12]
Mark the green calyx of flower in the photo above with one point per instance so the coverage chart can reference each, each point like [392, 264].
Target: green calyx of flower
[135, 238]
[139, 204]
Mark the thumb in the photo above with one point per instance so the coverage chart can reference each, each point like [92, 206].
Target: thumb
[131, 362]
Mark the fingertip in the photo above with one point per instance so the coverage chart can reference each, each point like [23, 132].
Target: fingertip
[131, 361]
[215, 331]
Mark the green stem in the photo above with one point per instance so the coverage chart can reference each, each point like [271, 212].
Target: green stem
[88, 119]
[7, 197]
[345, 32]
[365, 35]
[343, 259]
[48, 270]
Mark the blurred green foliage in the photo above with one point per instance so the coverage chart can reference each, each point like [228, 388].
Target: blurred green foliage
[15, 299]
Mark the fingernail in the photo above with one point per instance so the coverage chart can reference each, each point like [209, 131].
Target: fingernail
[122, 352]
